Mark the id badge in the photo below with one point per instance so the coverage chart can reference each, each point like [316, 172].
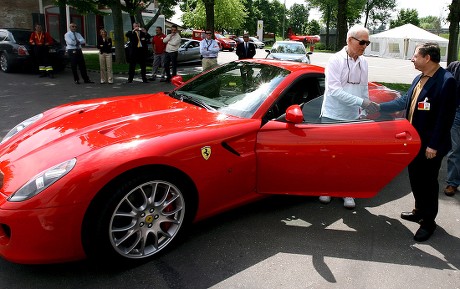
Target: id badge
[424, 105]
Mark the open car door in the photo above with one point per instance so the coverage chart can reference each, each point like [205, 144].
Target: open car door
[341, 159]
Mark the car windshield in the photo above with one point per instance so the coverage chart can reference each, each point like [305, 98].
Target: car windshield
[293, 48]
[237, 88]
[219, 36]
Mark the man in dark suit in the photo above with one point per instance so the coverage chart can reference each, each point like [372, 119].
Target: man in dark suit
[245, 49]
[430, 107]
[139, 40]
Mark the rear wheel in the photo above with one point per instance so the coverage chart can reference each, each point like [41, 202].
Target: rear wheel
[5, 63]
[137, 219]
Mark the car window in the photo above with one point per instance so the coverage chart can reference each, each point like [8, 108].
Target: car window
[3, 35]
[237, 88]
[303, 90]
[293, 48]
[21, 36]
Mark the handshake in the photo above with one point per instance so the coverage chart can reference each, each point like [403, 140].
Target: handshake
[370, 106]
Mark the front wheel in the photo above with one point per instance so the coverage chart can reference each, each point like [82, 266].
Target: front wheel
[140, 219]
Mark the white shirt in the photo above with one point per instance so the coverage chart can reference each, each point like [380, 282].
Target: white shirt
[172, 42]
[209, 48]
[346, 86]
[71, 40]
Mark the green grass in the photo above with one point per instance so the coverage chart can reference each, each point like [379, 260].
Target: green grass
[402, 87]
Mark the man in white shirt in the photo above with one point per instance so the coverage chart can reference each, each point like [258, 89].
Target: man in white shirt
[74, 41]
[209, 49]
[346, 94]
[173, 41]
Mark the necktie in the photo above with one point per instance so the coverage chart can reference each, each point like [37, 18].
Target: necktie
[77, 43]
[415, 94]
[138, 39]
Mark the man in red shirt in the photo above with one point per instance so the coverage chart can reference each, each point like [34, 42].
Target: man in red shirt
[158, 52]
[40, 41]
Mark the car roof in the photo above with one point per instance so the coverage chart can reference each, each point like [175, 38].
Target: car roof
[288, 65]
[288, 42]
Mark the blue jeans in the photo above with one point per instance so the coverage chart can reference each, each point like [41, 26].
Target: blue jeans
[453, 157]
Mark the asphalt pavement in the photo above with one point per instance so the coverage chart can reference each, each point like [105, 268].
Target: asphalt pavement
[279, 242]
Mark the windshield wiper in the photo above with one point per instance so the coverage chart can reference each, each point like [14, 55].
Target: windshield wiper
[190, 99]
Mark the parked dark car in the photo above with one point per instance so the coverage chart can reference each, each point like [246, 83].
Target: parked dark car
[16, 52]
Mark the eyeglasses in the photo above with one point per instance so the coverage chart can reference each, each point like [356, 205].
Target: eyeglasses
[348, 77]
[73, 26]
[245, 36]
[362, 42]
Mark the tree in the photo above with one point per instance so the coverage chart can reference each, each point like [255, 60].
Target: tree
[342, 23]
[454, 19]
[405, 16]
[431, 23]
[133, 7]
[215, 14]
[329, 9]
[313, 28]
[298, 18]
[377, 12]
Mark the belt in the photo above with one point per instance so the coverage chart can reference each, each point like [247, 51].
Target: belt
[210, 57]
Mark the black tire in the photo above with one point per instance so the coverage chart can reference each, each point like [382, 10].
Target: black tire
[137, 218]
[5, 63]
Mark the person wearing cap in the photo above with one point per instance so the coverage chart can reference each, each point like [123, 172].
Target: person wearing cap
[209, 49]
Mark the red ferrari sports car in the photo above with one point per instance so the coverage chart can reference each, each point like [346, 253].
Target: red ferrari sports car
[121, 178]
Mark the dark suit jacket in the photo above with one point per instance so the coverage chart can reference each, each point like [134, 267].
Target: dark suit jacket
[134, 51]
[241, 52]
[432, 125]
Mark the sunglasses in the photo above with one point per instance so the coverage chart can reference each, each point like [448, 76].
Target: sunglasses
[362, 42]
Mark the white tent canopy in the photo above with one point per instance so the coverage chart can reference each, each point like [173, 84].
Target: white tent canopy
[400, 42]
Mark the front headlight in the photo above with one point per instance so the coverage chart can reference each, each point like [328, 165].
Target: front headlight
[42, 181]
[21, 126]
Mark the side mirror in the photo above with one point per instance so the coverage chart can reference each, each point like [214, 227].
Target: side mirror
[294, 114]
[177, 80]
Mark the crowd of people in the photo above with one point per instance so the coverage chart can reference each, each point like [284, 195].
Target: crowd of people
[432, 103]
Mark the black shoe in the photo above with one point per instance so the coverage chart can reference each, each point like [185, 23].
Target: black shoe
[424, 232]
[77, 82]
[411, 216]
[129, 81]
[145, 81]
[89, 81]
[152, 78]
[42, 75]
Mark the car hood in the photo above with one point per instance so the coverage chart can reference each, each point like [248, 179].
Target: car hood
[288, 56]
[88, 125]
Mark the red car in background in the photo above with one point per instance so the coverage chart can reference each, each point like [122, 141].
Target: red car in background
[306, 39]
[224, 42]
[121, 178]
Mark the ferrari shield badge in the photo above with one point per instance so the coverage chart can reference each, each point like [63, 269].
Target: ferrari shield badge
[206, 152]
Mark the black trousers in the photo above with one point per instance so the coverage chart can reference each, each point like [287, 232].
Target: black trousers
[171, 60]
[423, 176]
[137, 57]
[41, 54]
[77, 59]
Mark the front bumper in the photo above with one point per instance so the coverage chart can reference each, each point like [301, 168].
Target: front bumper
[39, 236]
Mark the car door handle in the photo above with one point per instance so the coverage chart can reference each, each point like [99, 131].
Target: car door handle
[404, 135]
